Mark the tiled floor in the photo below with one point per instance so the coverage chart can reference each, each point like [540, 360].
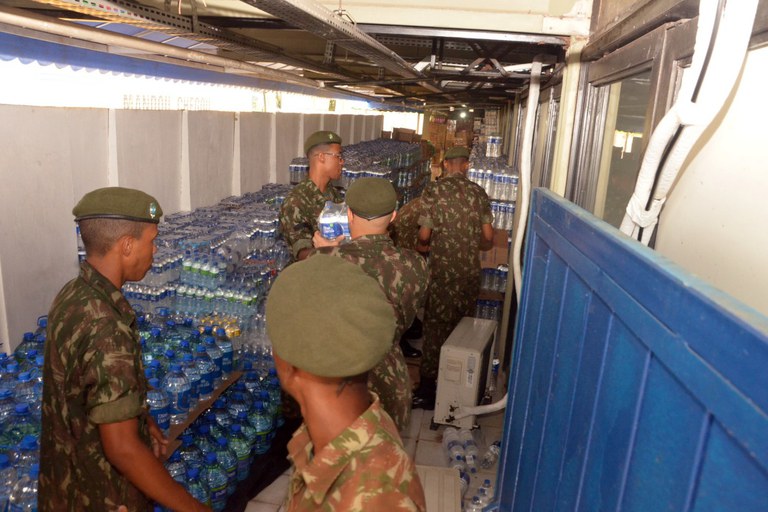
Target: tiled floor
[423, 442]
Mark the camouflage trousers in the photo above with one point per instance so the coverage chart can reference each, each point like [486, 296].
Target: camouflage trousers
[447, 303]
[390, 380]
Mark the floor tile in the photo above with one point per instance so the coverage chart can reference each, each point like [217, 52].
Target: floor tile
[426, 432]
[409, 443]
[430, 453]
[276, 492]
[257, 506]
[412, 431]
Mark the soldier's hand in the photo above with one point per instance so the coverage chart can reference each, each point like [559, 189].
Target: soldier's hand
[158, 439]
[319, 240]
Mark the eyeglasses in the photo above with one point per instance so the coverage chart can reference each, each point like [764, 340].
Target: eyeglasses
[340, 156]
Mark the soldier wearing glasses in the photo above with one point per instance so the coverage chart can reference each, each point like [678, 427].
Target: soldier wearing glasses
[302, 206]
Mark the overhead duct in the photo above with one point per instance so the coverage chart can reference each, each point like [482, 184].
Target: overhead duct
[316, 19]
[142, 48]
[149, 18]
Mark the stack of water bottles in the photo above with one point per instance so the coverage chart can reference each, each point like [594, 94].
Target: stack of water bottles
[21, 389]
[215, 264]
[217, 449]
[500, 183]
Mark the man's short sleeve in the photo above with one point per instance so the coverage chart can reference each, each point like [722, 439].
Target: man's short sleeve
[294, 227]
[115, 388]
[426, 209]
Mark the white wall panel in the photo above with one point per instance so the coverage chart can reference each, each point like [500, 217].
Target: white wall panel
[255, 150]
[211, 141]
[312, 124]
[345, 129]
[714, 223]
[288, 144]
[149, 154]
[51, 158]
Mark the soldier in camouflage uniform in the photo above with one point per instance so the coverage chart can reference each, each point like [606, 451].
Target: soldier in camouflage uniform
[404, 231]
[347, 455]
[302, 206]
[97, 440]
[401, 273]
[455, 224]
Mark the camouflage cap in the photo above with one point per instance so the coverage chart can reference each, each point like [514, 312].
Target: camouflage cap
[456, 152]
[322, 137]
[118, 203]
[371, 197]
[328, 317]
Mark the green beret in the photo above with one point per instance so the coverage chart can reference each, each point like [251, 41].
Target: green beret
[329, 318]
[456, 152]
[118, 203]
[371, 197]
[323, 137]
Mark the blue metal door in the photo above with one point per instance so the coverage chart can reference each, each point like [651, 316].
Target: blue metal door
[634, 386]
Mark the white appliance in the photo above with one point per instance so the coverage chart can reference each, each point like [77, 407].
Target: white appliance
[465, 369]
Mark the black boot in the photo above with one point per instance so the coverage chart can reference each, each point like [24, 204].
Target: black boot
[424, 396]
[415, 331]
[408, 350]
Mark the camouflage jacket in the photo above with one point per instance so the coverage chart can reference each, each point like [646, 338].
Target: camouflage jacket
[365, 469]
[401, 273]
[405, 228]
[92, 375]
[455, 209]
[299, 212]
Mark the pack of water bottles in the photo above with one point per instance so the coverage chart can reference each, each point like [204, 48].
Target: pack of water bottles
[218, 448]
[494, 279]
[495, 176]
[489, 309]
[216, 262]
[21, 389]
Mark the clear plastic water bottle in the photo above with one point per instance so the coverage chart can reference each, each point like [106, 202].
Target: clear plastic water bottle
[159, 407]
[176, 467]
[452, 443]
[27, 342]
[7, 406]
[26, 454]
[228, 461]
[8, 478]
[474, 505]
[263, 425]
[216, 478]
[214, 352]
[248, 430]
[10, 376]
[197, 487]
[22, 424]
[237, 403]
[176, 386]
[26, 393]
[251, 380]
[242, 449]
[204, 441]
[485, 492]
[190, 453]
[471, 453]
[464, 480]
[207, 372]
[24, 494]
[491, 455]
[227, 351]
[189, 367]
[275, 399]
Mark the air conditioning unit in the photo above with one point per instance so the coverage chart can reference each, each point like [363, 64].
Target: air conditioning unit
[465, 369]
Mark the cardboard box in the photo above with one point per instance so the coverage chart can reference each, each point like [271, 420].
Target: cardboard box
[403, 134]
[499, 253]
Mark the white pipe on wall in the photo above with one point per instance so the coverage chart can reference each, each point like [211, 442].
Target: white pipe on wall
[691, 114]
